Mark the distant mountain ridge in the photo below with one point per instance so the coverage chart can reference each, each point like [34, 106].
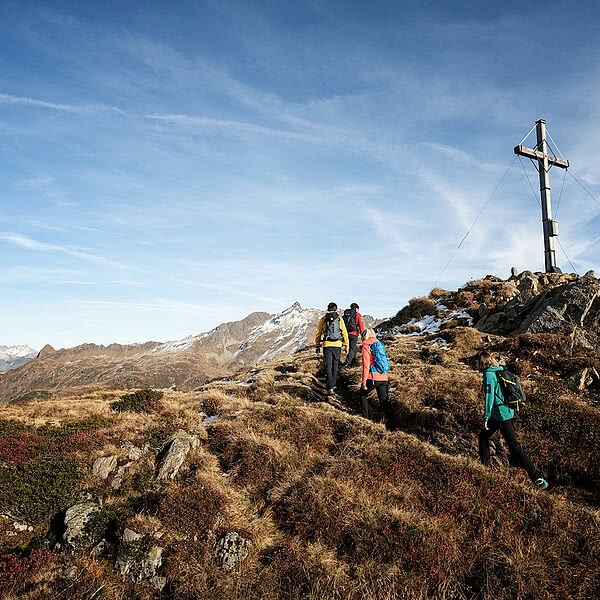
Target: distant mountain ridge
[12, 357]
[184, 363]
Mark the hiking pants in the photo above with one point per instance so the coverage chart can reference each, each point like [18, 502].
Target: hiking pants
[508, 433]
[381, 387]
[353, 341]
[331, 358]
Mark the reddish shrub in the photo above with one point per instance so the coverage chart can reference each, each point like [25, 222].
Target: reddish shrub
[16, 570]
[194, 509]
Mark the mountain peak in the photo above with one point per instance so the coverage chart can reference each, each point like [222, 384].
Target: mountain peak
[46, 351]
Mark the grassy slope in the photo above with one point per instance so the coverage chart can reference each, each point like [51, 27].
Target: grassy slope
[336, 506]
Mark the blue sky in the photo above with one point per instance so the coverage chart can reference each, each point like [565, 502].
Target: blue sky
[165, 167]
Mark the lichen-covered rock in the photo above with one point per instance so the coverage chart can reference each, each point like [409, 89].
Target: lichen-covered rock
[117, 481]
[141, 566]
[75, 519]
[173, 454]
[134, 452]
[104, 466]
[230, 550]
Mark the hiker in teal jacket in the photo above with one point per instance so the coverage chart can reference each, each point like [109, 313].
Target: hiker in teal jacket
[498, 416]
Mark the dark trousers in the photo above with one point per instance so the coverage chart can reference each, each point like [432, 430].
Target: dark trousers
[381, 387]
[508, 433]
[353, 341]
[331, 358]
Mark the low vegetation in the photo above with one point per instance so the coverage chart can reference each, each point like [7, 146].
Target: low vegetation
[333, 506]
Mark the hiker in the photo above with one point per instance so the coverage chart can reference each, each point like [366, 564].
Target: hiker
[499, 416]
[354, 326]
[333, 331]
[374, 374]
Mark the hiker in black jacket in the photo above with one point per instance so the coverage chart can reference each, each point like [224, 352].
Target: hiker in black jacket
[354, 326]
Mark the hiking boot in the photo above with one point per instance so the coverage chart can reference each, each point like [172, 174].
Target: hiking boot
[331, 392]
[541, 483]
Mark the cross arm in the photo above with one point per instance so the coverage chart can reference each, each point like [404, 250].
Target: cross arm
[537, 155]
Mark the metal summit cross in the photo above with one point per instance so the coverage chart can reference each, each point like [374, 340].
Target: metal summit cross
[545, 161]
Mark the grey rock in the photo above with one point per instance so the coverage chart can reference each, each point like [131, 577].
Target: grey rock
[590, 274]
[173, 454]
[492, 323]
[130, 536]
[580, 380]
[230, 550]
[140, 568]
[573, 304]
[528, 285]
[117, 481]
[104, 466]
[158, 583]
[133, 452]
[99, 549]
[75, 519]
[151, 563]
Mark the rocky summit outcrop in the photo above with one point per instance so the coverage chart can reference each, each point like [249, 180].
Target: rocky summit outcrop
[547, 303]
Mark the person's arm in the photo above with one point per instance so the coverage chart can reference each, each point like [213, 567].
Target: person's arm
[319, 333]
[359, 322]
[344, 333]
[366, 363]
[489, 383]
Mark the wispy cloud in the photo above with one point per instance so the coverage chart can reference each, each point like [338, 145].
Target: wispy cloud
[72, 108]
[31, 244]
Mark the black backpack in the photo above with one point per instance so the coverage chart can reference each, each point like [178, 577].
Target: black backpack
[350, 319]
[332, 330]
[511, 388]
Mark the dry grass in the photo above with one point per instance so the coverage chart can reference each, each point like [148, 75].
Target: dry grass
[337, 506]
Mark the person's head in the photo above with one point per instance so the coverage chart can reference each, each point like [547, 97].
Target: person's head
[368, 333]
[354, 306]
[484, 360]
[331, 306]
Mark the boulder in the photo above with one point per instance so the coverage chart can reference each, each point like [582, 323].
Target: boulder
[117, 481]
[76, 518]
[142, 567]
[133, 452]
[528, 285]
[580, 380]
[173, 454]
[104, 466]
[573, 304]
[230, 550]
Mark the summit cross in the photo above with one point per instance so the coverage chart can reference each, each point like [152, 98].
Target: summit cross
[545, 162]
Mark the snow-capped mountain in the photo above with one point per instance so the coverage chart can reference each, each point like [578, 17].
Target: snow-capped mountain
[257, 338]
[12, 357]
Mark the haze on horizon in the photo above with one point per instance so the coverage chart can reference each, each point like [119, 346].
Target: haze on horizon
[168, 168]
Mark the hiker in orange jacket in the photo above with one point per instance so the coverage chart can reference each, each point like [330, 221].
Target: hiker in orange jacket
[372, 378]
[333, 331]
